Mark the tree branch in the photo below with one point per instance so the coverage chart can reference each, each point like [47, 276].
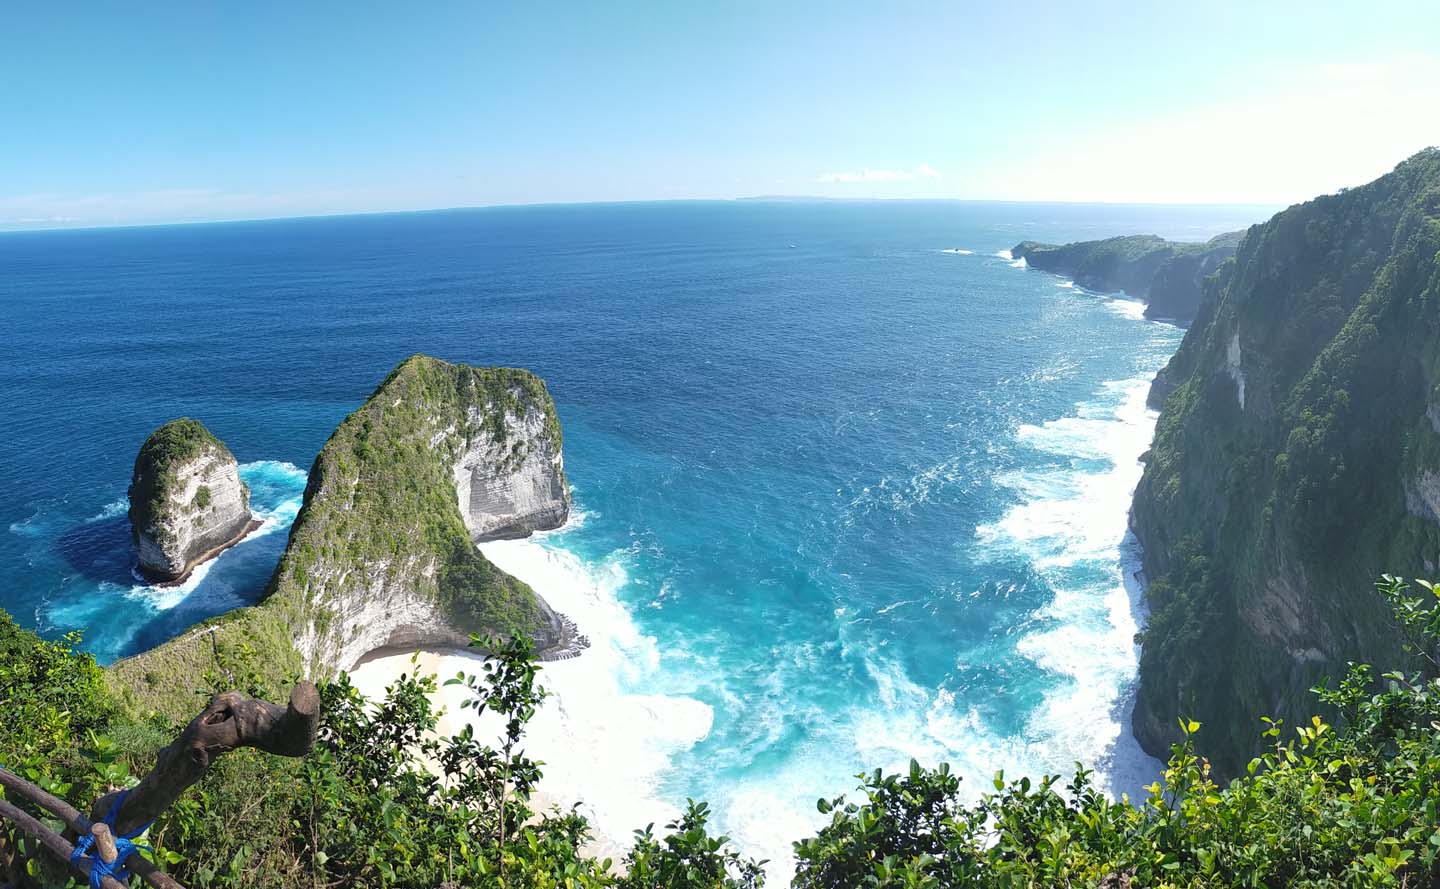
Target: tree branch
[231, 720]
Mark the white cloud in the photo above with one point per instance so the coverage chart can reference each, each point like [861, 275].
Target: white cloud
[1311, 132]
[924, 171]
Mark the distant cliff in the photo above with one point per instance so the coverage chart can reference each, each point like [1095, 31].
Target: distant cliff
[383, 550]
[1296, 459]
[1168, 275]
[187, 502]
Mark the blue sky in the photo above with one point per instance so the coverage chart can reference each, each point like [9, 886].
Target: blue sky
[116, 113]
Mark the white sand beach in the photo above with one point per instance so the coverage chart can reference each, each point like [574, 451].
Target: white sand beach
[604, 748]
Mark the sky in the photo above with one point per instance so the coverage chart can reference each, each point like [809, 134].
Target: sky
[115, 113]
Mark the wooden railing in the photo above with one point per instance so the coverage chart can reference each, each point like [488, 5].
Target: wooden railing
[231, 720]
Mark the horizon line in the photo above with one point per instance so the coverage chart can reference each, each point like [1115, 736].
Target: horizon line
[758, 199]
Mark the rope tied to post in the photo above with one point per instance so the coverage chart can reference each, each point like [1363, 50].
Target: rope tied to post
[125, 846]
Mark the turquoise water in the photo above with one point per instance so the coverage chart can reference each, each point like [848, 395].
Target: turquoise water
[857, 479]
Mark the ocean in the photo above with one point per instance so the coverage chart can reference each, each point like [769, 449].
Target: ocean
[851, 484]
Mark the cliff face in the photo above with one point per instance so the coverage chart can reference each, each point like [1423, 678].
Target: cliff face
[1295, 460]
[187, 502]
[511, 484]
[382, 552]
[1168, 275]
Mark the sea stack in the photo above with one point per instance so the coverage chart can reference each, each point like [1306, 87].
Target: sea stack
[383, 552]
[442, 456]
[187, 503]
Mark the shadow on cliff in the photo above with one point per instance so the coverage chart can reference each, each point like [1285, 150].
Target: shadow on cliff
[102, 552]
[234, 579]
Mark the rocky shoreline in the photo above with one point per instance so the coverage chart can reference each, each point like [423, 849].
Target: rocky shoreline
[212, 553]
[572, 643]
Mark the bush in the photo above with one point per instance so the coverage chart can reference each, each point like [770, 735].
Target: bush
[383, 802]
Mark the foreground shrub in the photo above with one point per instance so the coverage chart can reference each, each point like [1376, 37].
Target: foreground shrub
[384, 802]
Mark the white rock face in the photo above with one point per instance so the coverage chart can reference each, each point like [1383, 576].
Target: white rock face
[509, 482]
[203, 509]
[1232, 365]
[1422, 496]
[377, 612]
[514, 485]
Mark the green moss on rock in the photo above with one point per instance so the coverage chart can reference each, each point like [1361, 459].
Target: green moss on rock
[169, 446]
[379, 545]
[1276, 484]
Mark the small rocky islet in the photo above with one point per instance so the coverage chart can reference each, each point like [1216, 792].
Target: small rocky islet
[187, 502]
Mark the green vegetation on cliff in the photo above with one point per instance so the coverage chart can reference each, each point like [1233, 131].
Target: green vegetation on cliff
[1292, 460]
[1353, 804]
[1168, 275]
[166, 449]
[381, 495]
[379, 537]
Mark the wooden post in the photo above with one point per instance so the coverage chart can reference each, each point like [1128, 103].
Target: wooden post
[104, 842]
[61, 848]
[18, 787]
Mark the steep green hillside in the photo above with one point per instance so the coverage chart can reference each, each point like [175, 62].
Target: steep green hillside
[380, 553]
[1297, 457]
[1168, 275]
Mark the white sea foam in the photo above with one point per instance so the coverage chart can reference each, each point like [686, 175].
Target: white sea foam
[1126, 307]
[1019, 264]
[958, 252]
[1074, 515]
[605, 747]
[282, 515]
[111, 510]
[163, 598]
[1005, 254]
[276, 518]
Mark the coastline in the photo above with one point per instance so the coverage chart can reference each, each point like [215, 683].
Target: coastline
[208, 556]
[603, 749]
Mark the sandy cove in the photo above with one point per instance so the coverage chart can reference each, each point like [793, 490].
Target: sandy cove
[603, 748]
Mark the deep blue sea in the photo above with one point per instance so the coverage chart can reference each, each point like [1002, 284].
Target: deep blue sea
[857, 479]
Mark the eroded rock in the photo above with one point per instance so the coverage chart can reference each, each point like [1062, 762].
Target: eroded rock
[187, 502]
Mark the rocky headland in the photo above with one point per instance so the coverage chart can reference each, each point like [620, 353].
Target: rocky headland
[1168, 275]
[383, 551]
[187, 502]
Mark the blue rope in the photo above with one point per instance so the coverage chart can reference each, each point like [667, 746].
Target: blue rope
[100, 869]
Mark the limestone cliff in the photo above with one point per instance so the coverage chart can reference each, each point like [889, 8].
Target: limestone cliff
[1295, 460]
[1168, 275]
[441, 456]
[383, 550]
[187, 502]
